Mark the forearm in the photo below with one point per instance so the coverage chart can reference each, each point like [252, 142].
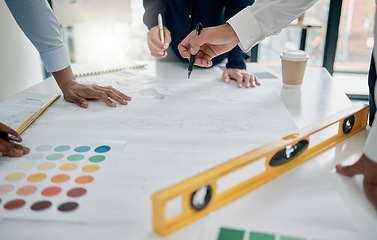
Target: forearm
[64, 77]
[265, 18]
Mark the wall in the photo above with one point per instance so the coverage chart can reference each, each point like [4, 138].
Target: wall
[20, 64]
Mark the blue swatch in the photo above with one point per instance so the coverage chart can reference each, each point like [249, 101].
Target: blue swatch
[43, 148]
[82, 149]
[62, 148]
[102, 149]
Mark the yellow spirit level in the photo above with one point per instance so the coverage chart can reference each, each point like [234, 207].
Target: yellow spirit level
[201, 194]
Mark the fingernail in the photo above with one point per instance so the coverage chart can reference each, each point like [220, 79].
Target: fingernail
[18, 152]
[84, 104]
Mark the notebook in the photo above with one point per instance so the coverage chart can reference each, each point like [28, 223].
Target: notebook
[88, 69]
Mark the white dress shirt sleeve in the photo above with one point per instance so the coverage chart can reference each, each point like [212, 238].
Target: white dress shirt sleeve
[265, 18]
[370, 148]
[38, 22]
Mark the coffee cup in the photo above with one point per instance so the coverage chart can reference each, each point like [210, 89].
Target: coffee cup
[293, 63]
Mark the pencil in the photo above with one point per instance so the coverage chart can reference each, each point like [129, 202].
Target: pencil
[33, 117]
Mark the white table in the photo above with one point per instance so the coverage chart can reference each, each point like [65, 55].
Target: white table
[318, 98]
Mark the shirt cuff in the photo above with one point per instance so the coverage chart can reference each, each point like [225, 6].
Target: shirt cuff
[55, 60]
[249, 34]
[370, 149]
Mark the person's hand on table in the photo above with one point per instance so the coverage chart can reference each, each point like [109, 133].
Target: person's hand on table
[11, 148]
[368, 168]
[241, 76]
[211, 42]
[156, 46]
[78, 93]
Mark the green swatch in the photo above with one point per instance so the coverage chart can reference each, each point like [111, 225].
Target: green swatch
[76, 157]
[55, 156]
[35, 156]
[97, 158]
[230, 234]
[261, 236]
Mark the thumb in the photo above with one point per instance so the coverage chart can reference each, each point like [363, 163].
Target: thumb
[197, 42]
[352, 170]
[184, 46]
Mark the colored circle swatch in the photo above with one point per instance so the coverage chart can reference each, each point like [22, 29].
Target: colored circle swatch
[6, 188]
[75, 157]
[25, 166]
[82, 149]
[55, 156]
[68, 206]
[97, 158]
[60, 178]
[91, 168]
[46, 166]
[51, 191]
[26, 190]
[62, 148]
[37, 177]
[35, 156]
[15, 177]
[76, 192]
[68, 167]
[14, 204]
[43, 148]
[41, 205]
[84, 179]
[102, 149]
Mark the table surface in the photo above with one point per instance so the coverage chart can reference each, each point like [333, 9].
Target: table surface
[317, 98]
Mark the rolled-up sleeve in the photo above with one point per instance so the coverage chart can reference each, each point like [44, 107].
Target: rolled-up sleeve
[38, 22]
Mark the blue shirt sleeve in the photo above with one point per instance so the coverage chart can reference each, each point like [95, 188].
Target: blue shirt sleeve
[38, 22]
[152, 9]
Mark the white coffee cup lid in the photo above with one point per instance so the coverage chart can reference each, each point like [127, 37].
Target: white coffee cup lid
[294, 55]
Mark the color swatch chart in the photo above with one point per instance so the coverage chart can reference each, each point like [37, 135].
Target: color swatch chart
[52, 182]
[237, 234]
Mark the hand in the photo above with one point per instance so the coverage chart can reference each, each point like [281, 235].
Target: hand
[156, 46]
[11, 148]
[240, 76]
[78, 93]
[368, 168]
[211, 43]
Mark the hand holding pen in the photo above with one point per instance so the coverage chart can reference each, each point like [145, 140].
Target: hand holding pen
[158, 39]
[8, 145]
[198, 29]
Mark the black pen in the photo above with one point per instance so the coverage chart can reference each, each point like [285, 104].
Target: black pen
[8, 137]
[199, 28]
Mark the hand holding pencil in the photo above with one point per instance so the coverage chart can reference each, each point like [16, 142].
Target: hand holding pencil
[158, 39]
[8, 145]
